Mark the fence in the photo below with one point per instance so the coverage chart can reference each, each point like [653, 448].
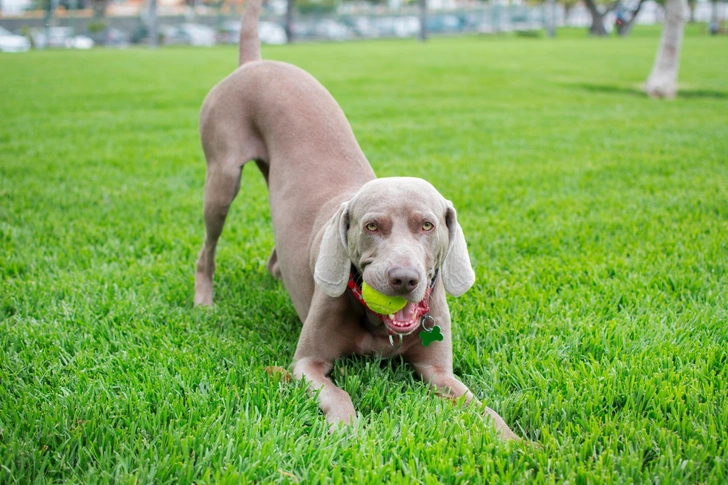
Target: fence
[356, 24]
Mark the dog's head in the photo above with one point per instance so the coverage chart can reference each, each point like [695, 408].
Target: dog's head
[397, 232]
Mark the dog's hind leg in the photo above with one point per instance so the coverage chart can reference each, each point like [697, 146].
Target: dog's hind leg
[272, 265]
[229, 142]
[221, 186]
[273, 268]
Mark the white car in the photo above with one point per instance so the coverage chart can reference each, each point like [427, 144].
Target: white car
[188, 34]
[10, 42]
[80, 42]
[198, 34]
[271, 33]
[268, 33]
[61, 37]
[332, 30]
[406, 26]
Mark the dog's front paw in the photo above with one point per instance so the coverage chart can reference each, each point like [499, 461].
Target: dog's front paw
[504, 432]
[337, 424]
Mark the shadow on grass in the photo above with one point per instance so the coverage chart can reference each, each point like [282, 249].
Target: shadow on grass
[637, 91]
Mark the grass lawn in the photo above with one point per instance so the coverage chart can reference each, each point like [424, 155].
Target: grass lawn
[597, 220]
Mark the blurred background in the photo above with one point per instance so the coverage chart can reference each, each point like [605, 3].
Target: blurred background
[82, 24]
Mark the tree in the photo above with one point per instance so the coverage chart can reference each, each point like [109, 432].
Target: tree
[550, 17]
[662, 82]
[153, 31]
[626, 17]
[568, 5]
[290, 6]
[548, 10]
[597, 15]
[99, 8]
[714, 27]
[423, 19]
[692, 4]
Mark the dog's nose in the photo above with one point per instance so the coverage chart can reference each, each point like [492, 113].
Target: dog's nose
[403, 279]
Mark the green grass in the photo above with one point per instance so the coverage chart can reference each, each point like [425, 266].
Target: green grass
[597, 220]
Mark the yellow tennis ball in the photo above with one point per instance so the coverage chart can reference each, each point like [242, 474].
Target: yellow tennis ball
[381, 303]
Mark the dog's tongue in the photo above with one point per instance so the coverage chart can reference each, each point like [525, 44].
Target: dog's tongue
[407, 313]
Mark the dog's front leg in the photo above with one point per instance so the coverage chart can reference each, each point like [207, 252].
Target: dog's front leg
[333, 401]
[446, 385]
[329, 332]
[433, 364]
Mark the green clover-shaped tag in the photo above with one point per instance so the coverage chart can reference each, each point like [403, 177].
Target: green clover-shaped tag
[429, 336]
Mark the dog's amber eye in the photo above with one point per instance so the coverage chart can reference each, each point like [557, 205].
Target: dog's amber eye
[372, 227]
[428, 226]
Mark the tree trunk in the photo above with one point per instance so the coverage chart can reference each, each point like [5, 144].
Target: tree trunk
[153, 32]
[550, 17]
[567, 12]
[48, 19]
[714, 12]
[662, 82]
[423, 19]
[291, 5]
[597, 26]
[625, 27]
[99, 8]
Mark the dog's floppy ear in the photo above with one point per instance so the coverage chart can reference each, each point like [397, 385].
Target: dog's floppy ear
[457, 272]
[333, 264]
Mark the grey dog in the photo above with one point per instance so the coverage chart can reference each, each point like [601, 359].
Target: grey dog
[336, 227]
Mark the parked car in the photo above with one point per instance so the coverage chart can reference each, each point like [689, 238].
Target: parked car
[171, 35]
[188, 34]
[228, 32]
[332, 30]
[61, 37]
[10, 42]
[304, 29]
[271, 33]
[382, 27]
[444, 23]
[268, 33]
[111, 37]
[408, 26]
[401, 26]
[361, 26]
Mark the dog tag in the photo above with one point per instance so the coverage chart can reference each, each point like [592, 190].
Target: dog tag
[434, 334]
[429, 335]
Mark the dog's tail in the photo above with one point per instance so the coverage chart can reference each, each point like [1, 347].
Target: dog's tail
[249, 41]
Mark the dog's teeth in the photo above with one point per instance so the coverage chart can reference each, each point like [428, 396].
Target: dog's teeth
[391, 315]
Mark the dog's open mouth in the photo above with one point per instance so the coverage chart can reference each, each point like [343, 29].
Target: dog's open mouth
[405, 321]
